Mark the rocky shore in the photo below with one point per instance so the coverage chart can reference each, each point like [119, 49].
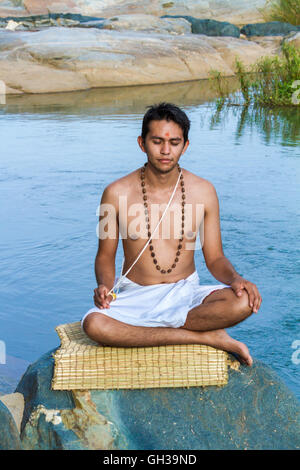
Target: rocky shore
[234, 11]
[46, 47]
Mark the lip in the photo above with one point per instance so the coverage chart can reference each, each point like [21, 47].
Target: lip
[164, 160]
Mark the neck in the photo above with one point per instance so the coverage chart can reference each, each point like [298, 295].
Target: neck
[157, 179]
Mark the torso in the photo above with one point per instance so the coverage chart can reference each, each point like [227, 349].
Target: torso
[166, 240]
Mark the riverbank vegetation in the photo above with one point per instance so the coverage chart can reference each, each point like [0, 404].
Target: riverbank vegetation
[272, 81]
[287, 11]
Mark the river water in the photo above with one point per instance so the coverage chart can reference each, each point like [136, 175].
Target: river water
[57, 154]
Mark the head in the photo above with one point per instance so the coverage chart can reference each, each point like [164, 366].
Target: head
[164, 135]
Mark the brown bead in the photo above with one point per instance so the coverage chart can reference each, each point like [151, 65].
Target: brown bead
[158, 267]
[145, 198]
[143, 183]
[182, 190]
[176, 260]
[146, 205]
[148, 226]
[169, 270]
[181, 239]
[143, 190]
[182, 183]
[178, 253]
[163, 271]
[173, 265]
[153, 255]
[183, 196]
[182, 225]
[183, 203]
[181, 177]
[154, 260]
[182, 217]
[179, 246]
[151, 248]
[149, 234]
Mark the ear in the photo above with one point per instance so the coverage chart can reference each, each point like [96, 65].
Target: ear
[141, 143]
[185, 147]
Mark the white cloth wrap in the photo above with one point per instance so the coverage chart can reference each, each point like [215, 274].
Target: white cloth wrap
[164, 305]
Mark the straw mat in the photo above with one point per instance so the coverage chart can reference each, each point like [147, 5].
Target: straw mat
[80, 363]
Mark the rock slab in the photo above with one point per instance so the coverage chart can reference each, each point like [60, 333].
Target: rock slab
[255, 410]
[234, 11]
[61, 59]
[9, 436]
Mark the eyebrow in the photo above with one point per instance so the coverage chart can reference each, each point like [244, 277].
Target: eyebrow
[161, 138]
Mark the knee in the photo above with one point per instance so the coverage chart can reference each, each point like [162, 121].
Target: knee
[96, 326]
[241, 305]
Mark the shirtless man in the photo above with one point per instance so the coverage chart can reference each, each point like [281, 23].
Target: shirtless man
[168, 262]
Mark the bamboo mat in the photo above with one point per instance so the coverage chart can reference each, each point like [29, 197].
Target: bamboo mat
[79, 363]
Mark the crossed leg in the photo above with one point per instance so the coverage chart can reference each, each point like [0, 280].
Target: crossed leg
[204, 325]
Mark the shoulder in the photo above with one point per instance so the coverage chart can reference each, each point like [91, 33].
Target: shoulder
[119, 187]
[201, 186]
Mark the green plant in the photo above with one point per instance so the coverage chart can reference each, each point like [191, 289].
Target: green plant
[244, 80]
[271, 81]
[287, 11]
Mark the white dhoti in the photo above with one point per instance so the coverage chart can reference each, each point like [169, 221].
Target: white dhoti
[164, 305]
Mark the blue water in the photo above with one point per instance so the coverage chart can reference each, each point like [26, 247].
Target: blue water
[58, 153]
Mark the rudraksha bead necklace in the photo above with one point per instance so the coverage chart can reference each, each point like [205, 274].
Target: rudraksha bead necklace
[151, 248]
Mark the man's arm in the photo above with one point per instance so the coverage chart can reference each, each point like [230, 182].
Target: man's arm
[107, 247]
[216, 262]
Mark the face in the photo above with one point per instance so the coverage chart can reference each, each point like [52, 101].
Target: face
[164, 145]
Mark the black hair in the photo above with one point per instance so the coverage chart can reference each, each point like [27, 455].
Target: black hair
[168, 112]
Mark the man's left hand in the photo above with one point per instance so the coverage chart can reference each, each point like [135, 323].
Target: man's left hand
[239, 283]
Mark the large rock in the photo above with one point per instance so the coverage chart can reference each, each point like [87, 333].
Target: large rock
[35, 388]
[37, 22]
[147, 23]
[15, 404]
[272, 28]
[209, 27]
[235, 11]
[63, 59]
[9, 436]
[255, 410]
[294, 40]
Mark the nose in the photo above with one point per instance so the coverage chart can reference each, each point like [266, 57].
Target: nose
[165, 148]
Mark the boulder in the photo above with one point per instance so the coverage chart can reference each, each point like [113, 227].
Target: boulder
[235, 11]
[9, 436]
[35, 388]
[294, 39]
[210, 27]
[67, 59]
[37, 22]
[15, 404]
[255, 410]
[148, 23]
[271, 28]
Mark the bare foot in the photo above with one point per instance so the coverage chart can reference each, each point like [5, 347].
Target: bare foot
[220, 339]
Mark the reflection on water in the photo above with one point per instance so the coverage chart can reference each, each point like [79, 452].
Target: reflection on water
[280, 125]
[123, 100]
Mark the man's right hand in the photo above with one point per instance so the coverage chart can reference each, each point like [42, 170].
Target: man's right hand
[101, 300]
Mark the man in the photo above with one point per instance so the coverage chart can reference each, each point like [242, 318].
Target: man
[160, 301]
